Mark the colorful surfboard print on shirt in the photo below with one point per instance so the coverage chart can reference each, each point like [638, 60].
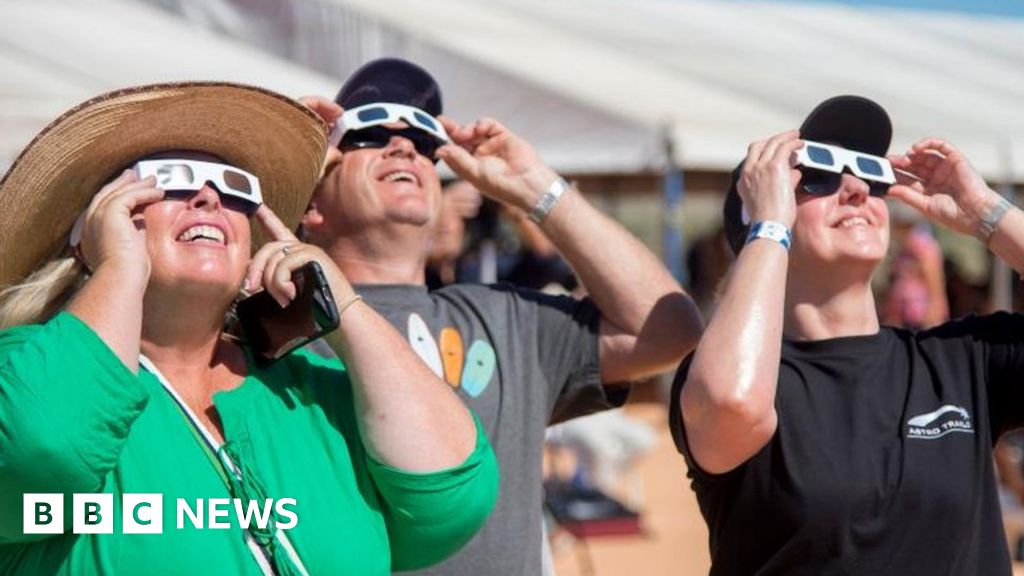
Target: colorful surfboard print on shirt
[480, 364]
[451, 355]
[424, 344]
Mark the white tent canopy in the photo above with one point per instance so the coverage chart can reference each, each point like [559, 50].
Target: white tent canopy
[57, 53]
[595, 84]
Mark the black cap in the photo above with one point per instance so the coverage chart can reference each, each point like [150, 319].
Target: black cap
[391, 80]
[853, 122]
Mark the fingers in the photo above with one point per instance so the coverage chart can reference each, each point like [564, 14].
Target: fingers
[461, 161]
[922, 164]
[133, 195]
[790, 137]
[273, 225]
[125, 178]
[910, 179]
[258, 264]
[450, 126]
[778, 148]
[328, 110]
[473, 135]
[767, 180]
[277, 279]
[488, 128]
[260, 274]
[276, 264]
[784, 152]
[911, 196]
[936, 145]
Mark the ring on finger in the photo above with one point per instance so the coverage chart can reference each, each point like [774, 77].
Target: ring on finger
[286, 250]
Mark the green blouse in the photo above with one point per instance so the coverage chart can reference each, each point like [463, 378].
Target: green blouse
[74, 419]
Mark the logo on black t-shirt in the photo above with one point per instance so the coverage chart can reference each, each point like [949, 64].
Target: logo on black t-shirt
[945, 420]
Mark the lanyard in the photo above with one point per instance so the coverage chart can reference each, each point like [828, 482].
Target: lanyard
[227, 469]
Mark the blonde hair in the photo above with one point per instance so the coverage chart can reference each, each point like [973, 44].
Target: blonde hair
[44, 293]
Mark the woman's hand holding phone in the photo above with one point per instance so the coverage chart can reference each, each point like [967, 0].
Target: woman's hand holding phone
[301, 292]
[272, 267]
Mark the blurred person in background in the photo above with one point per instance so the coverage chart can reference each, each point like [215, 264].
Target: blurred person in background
[460, 202]
[916, 295]
[117, 377]
[536, 263]
[817, 440]
[519, 358]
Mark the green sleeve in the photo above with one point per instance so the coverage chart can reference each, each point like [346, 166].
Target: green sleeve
[430, 516]
[66, 406]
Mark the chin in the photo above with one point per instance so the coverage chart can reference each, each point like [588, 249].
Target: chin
[206, 277]
[413, 216]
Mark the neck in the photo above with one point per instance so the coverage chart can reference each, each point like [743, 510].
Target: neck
[181, 336]
[814, 313]
[385, 256]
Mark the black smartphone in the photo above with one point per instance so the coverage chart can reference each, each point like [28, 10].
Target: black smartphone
[273, 331]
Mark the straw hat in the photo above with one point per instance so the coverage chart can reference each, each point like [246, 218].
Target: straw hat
[55, 177]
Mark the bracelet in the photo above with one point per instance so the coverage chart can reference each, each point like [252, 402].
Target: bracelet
[771, 230]
[352, 300]
[548, 201]
[987, 222]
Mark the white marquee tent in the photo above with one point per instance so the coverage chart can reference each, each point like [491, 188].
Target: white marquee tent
[596, 84]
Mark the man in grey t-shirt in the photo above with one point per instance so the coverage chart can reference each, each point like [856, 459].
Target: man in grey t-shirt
[518, 358]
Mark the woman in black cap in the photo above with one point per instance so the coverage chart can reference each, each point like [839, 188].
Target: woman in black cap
[819, 442]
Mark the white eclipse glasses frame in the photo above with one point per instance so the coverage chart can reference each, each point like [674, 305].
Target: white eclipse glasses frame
[380, 113]
[192, 175]
[174, 174]
[831, 158]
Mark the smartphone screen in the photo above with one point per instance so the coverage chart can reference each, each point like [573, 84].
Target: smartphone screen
[273, 331]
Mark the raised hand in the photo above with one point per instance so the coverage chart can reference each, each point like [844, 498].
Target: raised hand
[329, 111]
[112, 231]
[768, 179]
[940, 183]
[500, 164]
[272, 266]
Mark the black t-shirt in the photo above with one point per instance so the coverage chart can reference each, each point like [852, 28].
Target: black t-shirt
[882, 460]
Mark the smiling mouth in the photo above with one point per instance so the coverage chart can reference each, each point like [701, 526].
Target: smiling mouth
[203, 234]
[401, 176]
[854, 222]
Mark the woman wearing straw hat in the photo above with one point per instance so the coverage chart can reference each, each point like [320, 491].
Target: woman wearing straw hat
[819, 442]
[116, 378]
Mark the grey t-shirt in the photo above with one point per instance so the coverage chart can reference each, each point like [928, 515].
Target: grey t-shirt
[520, 359]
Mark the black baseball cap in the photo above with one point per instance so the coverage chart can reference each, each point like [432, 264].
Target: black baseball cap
[391, 80]
[853, 122]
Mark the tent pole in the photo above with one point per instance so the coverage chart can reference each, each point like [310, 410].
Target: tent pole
[673, 190]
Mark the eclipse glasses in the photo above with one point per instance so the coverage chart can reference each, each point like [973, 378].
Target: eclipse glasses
[179, 178]
[827, 162]
[365, 127]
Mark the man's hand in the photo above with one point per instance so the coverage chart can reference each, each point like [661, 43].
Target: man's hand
[500, 164]
[329, 111]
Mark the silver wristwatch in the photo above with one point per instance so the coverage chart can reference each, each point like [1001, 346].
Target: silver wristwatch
[548, 201]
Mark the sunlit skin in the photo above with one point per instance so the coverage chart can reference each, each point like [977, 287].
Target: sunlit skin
[358, 182]
[369, 215]
[828, 230]
[820, 288]
[203, 275]
[200, 266]
[634, 340]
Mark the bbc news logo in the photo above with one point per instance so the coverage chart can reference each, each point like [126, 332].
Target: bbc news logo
[144, 513]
